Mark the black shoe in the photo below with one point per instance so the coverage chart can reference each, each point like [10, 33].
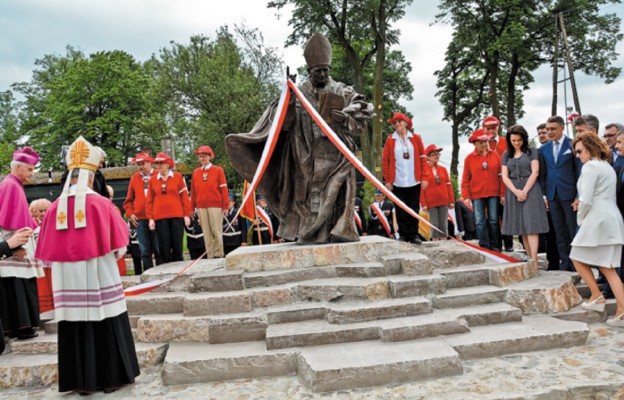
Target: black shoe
[416, 240]
[27, 335]
[509, 249]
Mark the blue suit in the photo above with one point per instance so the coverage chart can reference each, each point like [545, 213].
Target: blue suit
[618, 163]
[558, 183]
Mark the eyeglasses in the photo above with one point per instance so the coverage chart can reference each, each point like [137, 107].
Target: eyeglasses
[608, 136]
[578, 151]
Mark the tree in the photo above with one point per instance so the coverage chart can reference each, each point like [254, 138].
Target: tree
[9, 126]
[363, 31]
[213, 87]
[101, 97]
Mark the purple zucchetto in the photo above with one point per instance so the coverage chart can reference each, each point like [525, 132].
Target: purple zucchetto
[26, 155]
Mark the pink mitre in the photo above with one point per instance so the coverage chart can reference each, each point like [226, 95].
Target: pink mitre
[26, 155]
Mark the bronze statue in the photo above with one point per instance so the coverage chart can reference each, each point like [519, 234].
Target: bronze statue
[308, 184]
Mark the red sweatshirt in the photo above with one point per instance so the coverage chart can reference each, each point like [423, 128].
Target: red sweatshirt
[173, 203]
[388, 161]
[478, 182]
[136, 200]
[209, 188]
[438, 193]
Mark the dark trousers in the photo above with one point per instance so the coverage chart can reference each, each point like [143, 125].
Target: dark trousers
[170, 232]
[148, 243]
[550, 245]
[506, 241]
[564, 222]
[408, 225]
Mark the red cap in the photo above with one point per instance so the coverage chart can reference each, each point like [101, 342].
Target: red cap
[490, 121]
[204, 150]
[164, 157]
[400, 116]
[432, 148]
[478, 135]
[142, 157]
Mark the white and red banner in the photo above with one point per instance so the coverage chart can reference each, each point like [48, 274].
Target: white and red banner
[382, 218]
[265, 218]
[358, 220]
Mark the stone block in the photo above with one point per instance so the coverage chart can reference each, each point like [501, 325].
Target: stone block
[549, 292]
[419, 327]
[472, 295]
[172, 328]
[265, 297]
[317, 332]
[19, 370]
[382, 309]
[533, 333]
[365, 364]
[42, 344]
[296, 312]
[149, 354]
[465, 276]
[452, 255]
[129, 281]
[403, 286]
[217, 281]
[343, 289]
[156, 303]
[238, 327]
[188, 363]
[216, 303]
[273, 278]
[392, 264]
[506, 274]
[416, 264]
[488, 314]
[363, 270]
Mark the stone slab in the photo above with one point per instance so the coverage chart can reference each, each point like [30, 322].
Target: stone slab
[361, 270]
[506, 274]
[272, 296]
[238, 327]
[181, 283]
[472, 295]
[464, 276]
[533, 333]
[172, 328]
[216, 303]
[156, 303]
[392, 264]
[42, 344]
[293, 256]
[216, 281]
[130, 280]
[452, 255]
[346, 313]
[18, 370]
[365, 364]
[296, 312]
[409, 286]
[188, 363]
[416, 264]
[272, 278]
[548, 292]
[317, 332]
[335, 289]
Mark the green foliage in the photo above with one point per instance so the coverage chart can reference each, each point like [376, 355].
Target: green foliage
[6, 155]
[368, 196]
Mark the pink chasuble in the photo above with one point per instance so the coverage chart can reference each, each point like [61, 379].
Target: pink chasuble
[14, 213]
[105, 231]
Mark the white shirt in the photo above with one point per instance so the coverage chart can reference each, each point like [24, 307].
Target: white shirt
[405, 175]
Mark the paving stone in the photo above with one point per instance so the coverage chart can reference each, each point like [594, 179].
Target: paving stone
[216, 303]
[156, 303]
[545, 293]
[200, 362]
[409, 286]
[363, 270]
[296, 312]
[364, 364]
[533, 333]
[172, 328]
[343, 289]
[467, 275]
[346, 313]
[272, 278]
[317, 332]
[416, 264]
[472, 295]
[216, 281]
[238, 327]
[452, 255]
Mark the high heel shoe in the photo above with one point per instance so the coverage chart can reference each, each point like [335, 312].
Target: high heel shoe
[616, 321]
[594, 305]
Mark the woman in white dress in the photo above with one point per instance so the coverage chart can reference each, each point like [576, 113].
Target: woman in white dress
[600, 236]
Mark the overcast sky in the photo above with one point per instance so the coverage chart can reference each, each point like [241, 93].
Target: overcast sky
[31, 28]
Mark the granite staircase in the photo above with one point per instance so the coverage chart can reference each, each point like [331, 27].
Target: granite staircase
[339, 316]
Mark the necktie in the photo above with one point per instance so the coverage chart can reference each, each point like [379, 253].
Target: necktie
[556, 154]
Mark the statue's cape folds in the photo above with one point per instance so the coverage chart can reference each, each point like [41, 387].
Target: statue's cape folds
[308, 184]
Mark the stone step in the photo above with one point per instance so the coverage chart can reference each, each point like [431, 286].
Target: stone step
[466, 275]
[472, 295]
[533, 333]
[346, 313]
[187, 363]
[361, 270]
[449, 255]
[129, 281]
[35, 370]
[272, 278]
[409, 263]
[409, 286]
[156, 303]
[372, 363]
[181, 283]
[337, 289]
[296, 312]
[216, 281]
[443, 322]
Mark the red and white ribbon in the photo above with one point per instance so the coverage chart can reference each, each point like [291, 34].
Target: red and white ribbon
[357, 219]
[382, 218]
[265, 218]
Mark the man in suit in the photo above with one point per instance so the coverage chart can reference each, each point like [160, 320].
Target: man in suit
[549, 238]
[610, 136]
[559, 171]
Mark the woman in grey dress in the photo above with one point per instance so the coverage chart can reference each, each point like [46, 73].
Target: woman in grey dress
[524, 212]
[600, 236]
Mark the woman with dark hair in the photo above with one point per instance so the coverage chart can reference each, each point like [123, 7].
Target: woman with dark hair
[524, 212]
[600, 236]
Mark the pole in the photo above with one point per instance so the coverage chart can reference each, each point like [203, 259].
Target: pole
[553, 110]
[577, 105]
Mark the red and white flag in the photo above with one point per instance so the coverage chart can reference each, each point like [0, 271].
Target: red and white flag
[382, 218]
